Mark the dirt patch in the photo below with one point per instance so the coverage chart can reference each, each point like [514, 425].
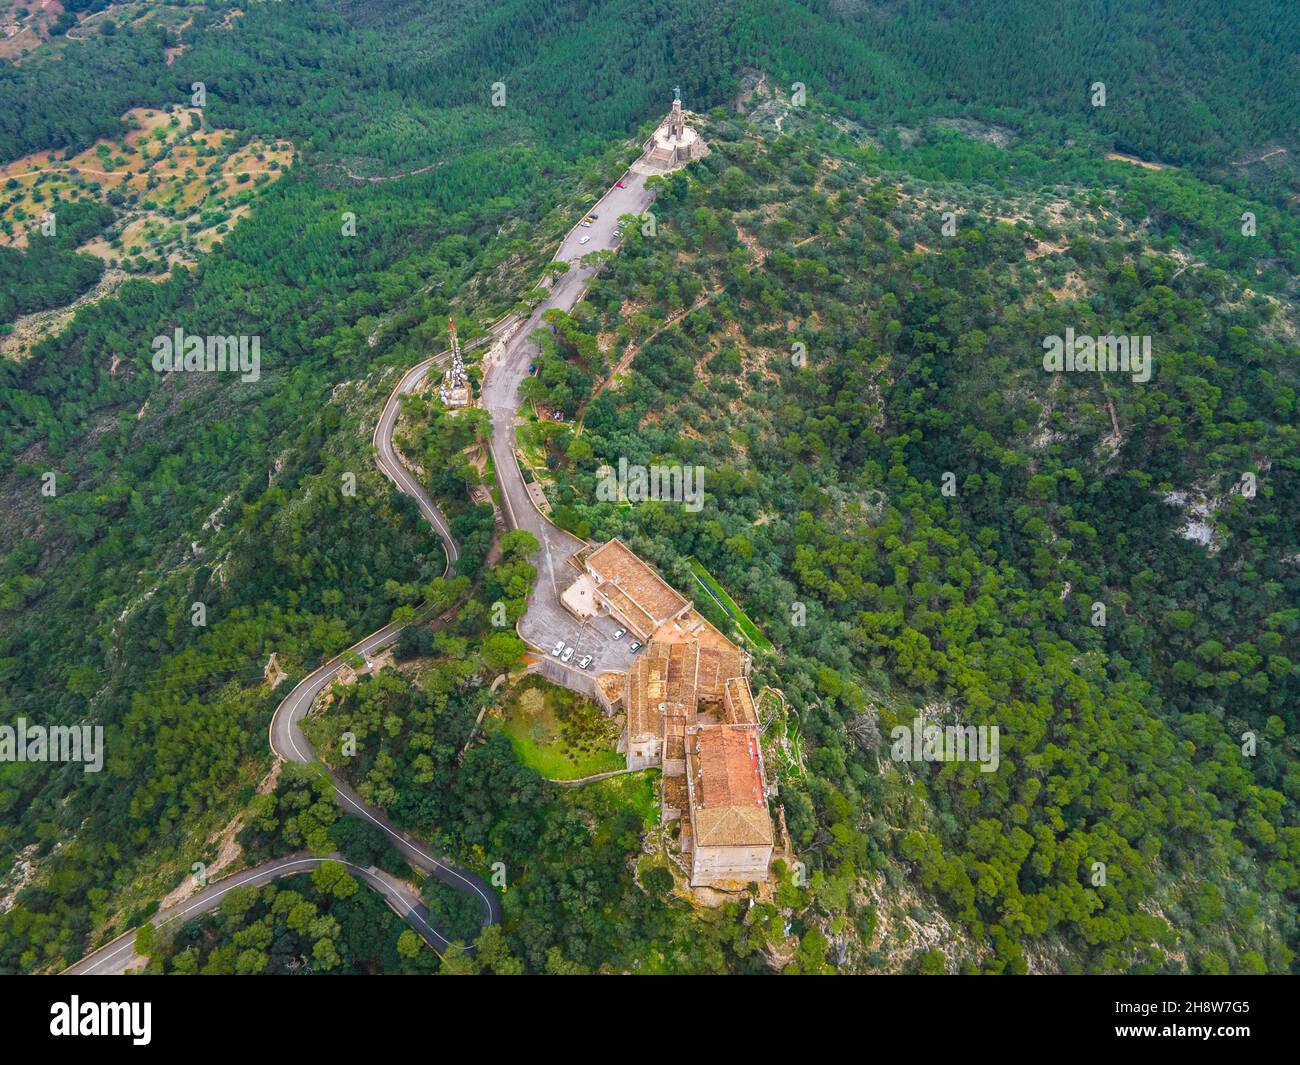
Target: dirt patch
[175, 187]
[30, 329]
[173, 184]
[1144, 163]
[228, 852]
[24, 869]
[21, 34]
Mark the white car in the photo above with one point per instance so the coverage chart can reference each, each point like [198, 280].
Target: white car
[584, 661]
[620, 634]
[568, 653]
[558, 649]
[634, 647]
[584, 240]
[584, 224]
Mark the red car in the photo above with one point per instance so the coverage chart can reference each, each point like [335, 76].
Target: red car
[619, 185]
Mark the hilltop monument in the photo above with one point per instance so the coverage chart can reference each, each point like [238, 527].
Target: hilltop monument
[674, 143]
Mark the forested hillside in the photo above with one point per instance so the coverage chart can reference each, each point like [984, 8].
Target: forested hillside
[172, 490]
[1122, 741]
[1193, 83]
[49, 272]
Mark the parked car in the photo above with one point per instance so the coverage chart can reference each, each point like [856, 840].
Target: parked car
[592, 217]
[585, 240]
[558, 649]
[587, 225]
[568, 653]
[620, 633]
[584, 662]
[619, 185]
[634, 647]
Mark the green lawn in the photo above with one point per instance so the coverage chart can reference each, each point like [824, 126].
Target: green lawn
[729, 605]
[636, 790]
[559, 733]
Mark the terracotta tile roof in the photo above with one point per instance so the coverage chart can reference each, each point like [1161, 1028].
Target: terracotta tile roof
[727, 766]
[674, 744]
[740, 702]
[673, 794]
[661, 681]
[687, 662]
[732, 826]
[683, 668]
[644, 692]
[613, 684]
[725, 783]
[717, 666]
[636, 619]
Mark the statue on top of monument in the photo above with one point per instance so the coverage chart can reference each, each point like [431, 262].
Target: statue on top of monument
[673, 144]
[676, 123]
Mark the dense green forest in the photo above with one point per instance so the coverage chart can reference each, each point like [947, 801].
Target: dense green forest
[580, 894]
[49, 272]
[322, 923]
[171, 492]
[1193, 83]
[1122, 742]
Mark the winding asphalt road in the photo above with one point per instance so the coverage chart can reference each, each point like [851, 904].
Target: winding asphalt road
[288, 742]
[119, 956]
[392, 466]
[544, 621]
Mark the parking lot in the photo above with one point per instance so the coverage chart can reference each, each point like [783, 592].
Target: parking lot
[545, 624]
